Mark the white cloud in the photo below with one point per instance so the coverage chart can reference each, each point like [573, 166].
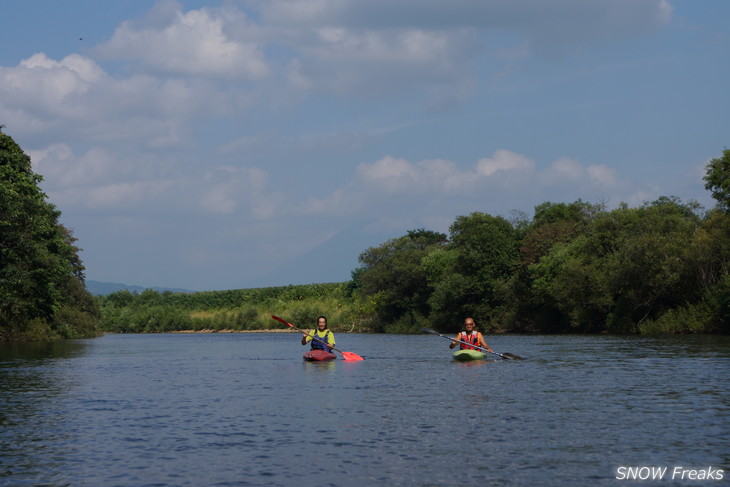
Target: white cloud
[76, 100]
[364, 49]
[58, 164]
[569, 172]
[601, 175]
[564, 170]
[504, 160]
[284, 49]
[97, 181]
[412, 46]
[228, 190]
[363, 63]
[396, 175]
[505, 178]
[83, 67]
[196, 42]
[391, 173]
[40, 84]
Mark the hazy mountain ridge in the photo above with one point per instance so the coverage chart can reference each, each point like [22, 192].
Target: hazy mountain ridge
[103, 288]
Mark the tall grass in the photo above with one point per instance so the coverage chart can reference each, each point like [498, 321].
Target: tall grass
[238, 310]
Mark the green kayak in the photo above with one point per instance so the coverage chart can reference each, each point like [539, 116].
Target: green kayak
[468, 355]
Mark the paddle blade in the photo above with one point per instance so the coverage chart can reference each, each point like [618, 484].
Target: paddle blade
[511, 356]
[281, 320]
[351, 356]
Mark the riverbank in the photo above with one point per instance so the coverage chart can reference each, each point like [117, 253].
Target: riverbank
[209, 330]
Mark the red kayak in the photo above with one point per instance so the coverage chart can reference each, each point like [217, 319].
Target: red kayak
[315, 355]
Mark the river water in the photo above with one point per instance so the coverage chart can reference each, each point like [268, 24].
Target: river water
[246, 410]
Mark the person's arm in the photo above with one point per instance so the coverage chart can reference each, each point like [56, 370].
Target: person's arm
[330, 340]
[306, 338]
[483, 342]
[453, 344]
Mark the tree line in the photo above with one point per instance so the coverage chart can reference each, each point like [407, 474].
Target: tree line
[662, 267]
[573, 267]
[42, 292]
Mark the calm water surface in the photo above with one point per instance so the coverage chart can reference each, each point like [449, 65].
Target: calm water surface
[246, 410]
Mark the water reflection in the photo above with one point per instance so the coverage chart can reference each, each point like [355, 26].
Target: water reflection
[473, 363]
[33, 383]
[319, 365]
[27, 353]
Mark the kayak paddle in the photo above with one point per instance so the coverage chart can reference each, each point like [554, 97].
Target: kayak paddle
[345, 355]
[506, 356]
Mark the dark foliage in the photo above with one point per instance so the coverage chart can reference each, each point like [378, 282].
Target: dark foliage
[42, 295]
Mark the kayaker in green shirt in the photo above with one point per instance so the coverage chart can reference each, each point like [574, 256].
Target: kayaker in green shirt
[470, 335]
[323, 334]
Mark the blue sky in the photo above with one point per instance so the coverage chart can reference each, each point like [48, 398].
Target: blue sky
[233, 144]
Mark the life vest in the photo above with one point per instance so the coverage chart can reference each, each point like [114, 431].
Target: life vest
[472, 339]
[316, 344]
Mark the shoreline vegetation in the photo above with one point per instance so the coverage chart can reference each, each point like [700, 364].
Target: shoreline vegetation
[242, 310]
[42, 291]
[662, 267]
[230, 330]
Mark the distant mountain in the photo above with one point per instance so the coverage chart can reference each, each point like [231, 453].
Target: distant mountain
[103, 288]
[332, 261]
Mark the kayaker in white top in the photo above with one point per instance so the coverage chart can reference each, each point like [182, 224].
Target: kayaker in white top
[470, 335]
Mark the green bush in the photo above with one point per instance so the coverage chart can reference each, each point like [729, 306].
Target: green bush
[695, 318]
[34, 330]
[243, 309]
[74, 323]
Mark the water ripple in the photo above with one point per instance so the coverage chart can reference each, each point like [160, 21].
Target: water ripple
[192, 410]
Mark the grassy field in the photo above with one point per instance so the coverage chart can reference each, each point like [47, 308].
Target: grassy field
[238, 310]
